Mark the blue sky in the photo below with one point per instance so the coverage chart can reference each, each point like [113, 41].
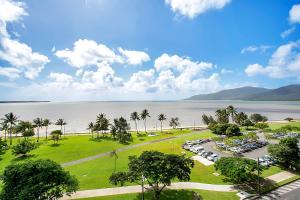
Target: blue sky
[68, 50]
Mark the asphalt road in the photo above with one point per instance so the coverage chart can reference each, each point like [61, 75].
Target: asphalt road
[292, 195]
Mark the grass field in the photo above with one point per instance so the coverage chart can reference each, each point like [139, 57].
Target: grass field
[174, 195]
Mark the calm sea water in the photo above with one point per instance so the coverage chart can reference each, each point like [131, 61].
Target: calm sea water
[79, 114]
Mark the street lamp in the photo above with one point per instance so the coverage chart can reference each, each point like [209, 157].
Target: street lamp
[143, 179]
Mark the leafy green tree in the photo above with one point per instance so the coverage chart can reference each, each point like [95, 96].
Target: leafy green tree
[121, 128]
[135, 117]
[241, 118]
[3, 146]
[261, 125]
[255, 118]
[10, 119]
[174, 122]
[91, 128]
[46, 123]
[237, 170]
[158, 169]
[248, 123]
[55, 135]
[26, 128]
[219, 129]
[23, 147]
[232, 130]
[231, 111]
[161, 118]
[4, 127]
[38, 179]
[286, 152]
[289, 119]
[144, 116]
[208, 119]
[222, 116]
[102, 124]
[38, 122]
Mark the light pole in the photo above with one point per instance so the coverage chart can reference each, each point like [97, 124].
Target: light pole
[143, 179]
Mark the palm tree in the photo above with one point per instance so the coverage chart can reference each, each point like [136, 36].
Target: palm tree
[4, 127]
[114, 154]
[231, 111]
[135, 117]
[222, 116]
[102, 124]
[38, 122]
[161, 118]
[174, 122]
[61, 122]
[91, 128]
[46, 123]
[10, 119]
[144, 116]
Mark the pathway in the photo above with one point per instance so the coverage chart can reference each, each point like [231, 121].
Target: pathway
[281, 176]
[137, 189]
[123, 149]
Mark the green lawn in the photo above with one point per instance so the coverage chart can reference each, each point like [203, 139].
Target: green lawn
[174, 195]
[276, 125]
[79, 146]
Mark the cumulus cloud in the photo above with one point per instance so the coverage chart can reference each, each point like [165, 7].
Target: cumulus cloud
[193, 8]
[134, 57]
[141, 81]
[20, 56]
[294, 16]
[253, 48]
[87, 53]
[284, 62]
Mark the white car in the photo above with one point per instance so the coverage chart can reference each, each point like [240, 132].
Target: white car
[211, 157]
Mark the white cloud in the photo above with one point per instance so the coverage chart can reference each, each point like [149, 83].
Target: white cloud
[295, 14]
[61, 78]
[20, 56]
[284, 62]
[86, 53]
[10, 11]
[287, 32]
[10, 72]
[253, 48]
[134, 57]
[166, 61]
[226, 71]
[192, 8]
[141, 81]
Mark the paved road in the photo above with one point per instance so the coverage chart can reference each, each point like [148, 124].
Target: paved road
[124, 148]
[290, 191]
[137, 189]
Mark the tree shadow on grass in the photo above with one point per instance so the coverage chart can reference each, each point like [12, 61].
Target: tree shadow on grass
[55, 145]
[172, 195]
[23, 157]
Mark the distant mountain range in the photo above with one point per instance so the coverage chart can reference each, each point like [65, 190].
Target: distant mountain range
[286, 93]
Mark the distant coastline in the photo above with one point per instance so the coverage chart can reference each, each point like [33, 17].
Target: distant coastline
[23, 101]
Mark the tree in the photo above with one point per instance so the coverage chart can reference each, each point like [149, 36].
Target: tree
[161, 118]
[261, 125]
[10, 119]
[144, 116]
[38, 122]
[46, 123]
[26, 128]
[232, 130]
[61, 122]
[55, 135]
[114, 154]
[158, 169]
[4, 127]
[258, 118]
[38, 179]
[121, 128]
[289, 119]
[102, 124]
[232, 112]
[241, 118]
[248, 123]
[219, 129]
[3, 146]
[237, 170]
[23, 147]
[222, 116]
[286, 152]
[135, 117]
[207, 119]
[174, 122]
[91, 128]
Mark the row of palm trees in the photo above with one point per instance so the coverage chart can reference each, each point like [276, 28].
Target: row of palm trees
[11, 124]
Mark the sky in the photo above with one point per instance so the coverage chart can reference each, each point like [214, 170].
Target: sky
[93, 50]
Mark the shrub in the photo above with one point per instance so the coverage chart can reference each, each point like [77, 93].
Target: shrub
[23, 147]
[261, 125]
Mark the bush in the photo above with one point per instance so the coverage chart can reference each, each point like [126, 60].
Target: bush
[258, 118]
[55, 135]
[3, 146]
[228, 129]
[261, 125]
[289, 119]
[233, 130]
[23, 147]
